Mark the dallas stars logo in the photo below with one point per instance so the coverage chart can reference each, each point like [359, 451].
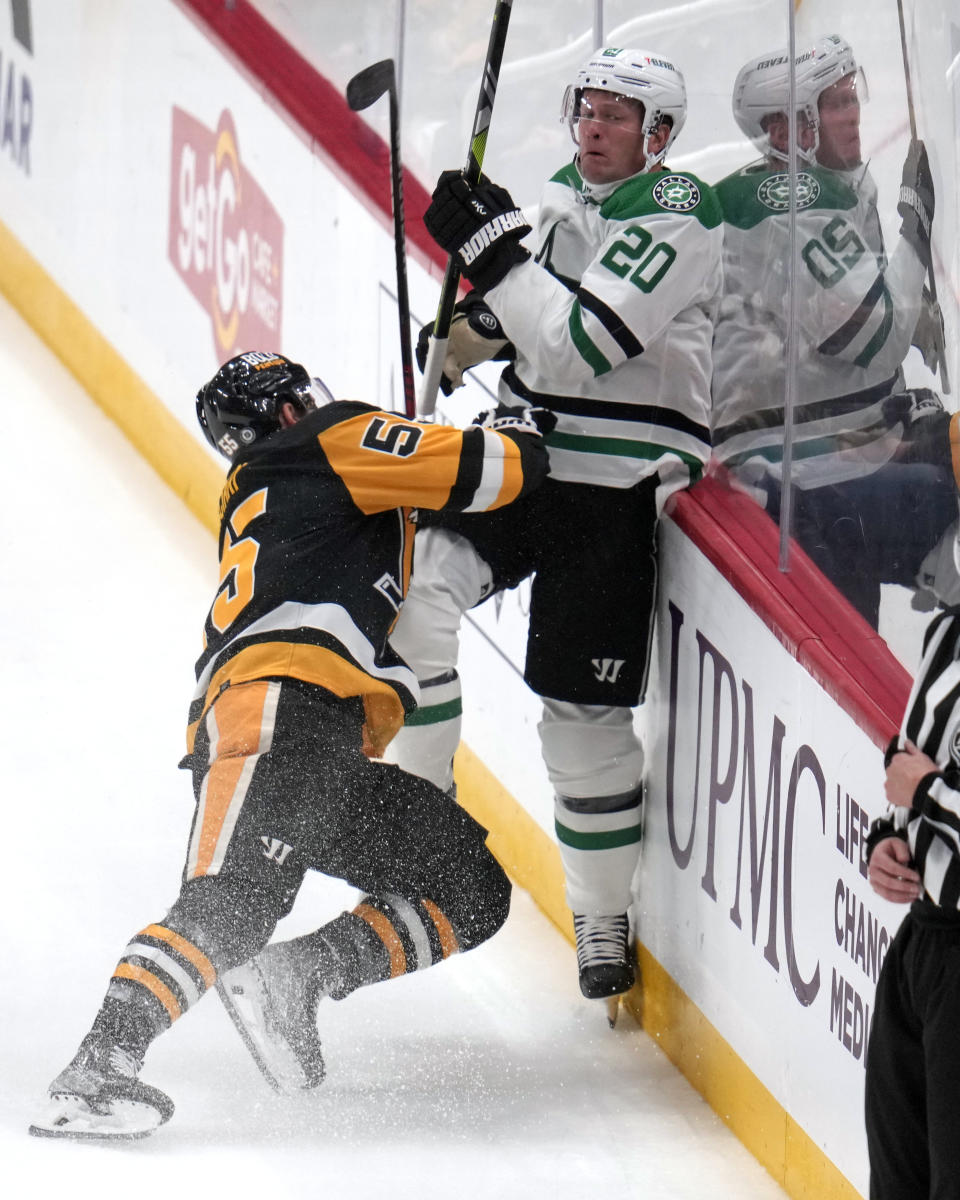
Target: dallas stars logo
[677, 193]
[774, 192]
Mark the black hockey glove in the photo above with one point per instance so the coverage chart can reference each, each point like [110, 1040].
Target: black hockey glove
[476, 336]
[926, 427]
[504, 418]
[911, 407]
[479, 225]
[917, 201]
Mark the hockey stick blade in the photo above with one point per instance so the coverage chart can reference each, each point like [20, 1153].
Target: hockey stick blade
[366, 87]
[370, 84]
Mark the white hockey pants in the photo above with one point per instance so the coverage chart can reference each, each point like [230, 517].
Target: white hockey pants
[448, 578]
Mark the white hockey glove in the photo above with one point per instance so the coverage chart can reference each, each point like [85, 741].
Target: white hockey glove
[938, 580]
[928, 336]
[503, 418]
[476, 336]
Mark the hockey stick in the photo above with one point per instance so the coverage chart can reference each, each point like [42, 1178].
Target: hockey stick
[931, 277]
[364, 89]
[437, 349]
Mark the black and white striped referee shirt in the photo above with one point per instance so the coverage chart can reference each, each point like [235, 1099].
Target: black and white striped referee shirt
[932, 722]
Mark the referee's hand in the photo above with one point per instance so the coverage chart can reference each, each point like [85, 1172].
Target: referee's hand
[890, 873]
[906, 769]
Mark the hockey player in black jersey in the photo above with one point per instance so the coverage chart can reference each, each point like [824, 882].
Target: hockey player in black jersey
[297, 693]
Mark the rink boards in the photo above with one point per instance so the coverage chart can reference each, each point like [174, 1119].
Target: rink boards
[159, 212]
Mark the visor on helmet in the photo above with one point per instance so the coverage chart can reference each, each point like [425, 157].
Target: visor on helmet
[859, 93]
[318, 393]
[608, 108]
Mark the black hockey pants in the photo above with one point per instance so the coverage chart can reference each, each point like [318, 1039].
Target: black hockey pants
[913, 1062]
[286, 789]
[874, 530]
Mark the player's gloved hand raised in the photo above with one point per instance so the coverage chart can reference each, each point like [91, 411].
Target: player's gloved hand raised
[917, 202]
[476, 336]
[479, 225]
[519, 419]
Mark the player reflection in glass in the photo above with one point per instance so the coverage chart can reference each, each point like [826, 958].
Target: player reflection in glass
[871, 465]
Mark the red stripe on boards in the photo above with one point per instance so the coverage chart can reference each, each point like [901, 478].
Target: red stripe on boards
[319, 111]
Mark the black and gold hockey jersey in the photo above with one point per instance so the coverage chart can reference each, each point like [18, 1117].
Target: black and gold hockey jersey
[316, 546]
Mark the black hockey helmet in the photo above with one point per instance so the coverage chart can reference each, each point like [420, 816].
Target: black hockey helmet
[242, 401]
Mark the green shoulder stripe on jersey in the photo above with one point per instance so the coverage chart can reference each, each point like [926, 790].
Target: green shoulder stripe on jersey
[570, 176]
[872, 348]
[605, 840]
[750, 196]
[621, 448]
[586, 348]
[664, 191]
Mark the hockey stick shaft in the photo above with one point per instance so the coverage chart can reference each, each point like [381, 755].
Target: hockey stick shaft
[437, 346]
[363, 90]
[906, 71]
[912, 116]
[400, 251]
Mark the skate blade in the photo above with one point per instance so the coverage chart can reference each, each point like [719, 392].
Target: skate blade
[613, 1010]
[240, 991]
[72, 1117]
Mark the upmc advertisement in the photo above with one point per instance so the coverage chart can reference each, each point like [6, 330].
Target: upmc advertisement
[753, 891]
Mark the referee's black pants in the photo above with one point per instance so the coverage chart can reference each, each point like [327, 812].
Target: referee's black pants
[913, 1062]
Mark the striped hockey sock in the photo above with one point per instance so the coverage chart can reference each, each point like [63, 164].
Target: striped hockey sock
[386, 936]
[426, 744]
[600, 852]
[160, 975]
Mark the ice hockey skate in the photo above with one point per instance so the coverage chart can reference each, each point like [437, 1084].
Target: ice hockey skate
[272, 1000]
[98, 1096]
[604, 956]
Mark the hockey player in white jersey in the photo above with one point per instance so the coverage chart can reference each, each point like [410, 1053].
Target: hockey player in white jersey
[871, 461]
[609, 326]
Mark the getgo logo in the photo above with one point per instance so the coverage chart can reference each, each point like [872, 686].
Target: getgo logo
[226, 238]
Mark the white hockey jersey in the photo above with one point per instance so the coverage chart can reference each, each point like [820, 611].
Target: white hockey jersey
[855, 317]
[612, 323]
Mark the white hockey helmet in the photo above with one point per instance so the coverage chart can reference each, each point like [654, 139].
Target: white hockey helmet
[762, 88]
[639, 75]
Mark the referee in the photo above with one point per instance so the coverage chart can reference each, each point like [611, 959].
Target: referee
[913, 1060]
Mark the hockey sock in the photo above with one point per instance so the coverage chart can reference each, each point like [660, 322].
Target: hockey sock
[426, 744]
[131, 1019]
[599, 852]
[160, 976]
[386, 936]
